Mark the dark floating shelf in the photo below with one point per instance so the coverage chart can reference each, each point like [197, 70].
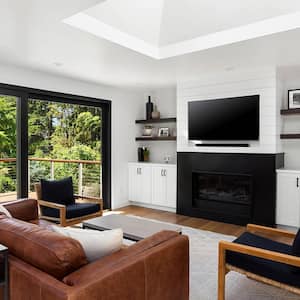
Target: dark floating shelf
[293, 111]
[164, 120]
[290, 136]
[156, 138]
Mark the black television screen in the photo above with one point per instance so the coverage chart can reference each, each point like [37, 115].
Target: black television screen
[224, 119]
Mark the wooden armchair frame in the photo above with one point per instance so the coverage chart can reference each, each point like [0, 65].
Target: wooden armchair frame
[225, 268]
[62, 220]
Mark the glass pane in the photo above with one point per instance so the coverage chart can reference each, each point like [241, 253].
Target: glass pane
[8, 148]
[65, 140]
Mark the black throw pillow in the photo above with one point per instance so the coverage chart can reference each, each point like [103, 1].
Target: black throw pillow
[58, 191]
[296, 250]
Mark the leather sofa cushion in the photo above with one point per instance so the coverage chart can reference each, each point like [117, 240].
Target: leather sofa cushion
[24, 209]
[50, 252]
[58, 191]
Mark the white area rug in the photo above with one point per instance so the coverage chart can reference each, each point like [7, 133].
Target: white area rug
[204, 269]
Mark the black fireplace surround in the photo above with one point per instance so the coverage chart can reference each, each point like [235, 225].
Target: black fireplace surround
[228, 187]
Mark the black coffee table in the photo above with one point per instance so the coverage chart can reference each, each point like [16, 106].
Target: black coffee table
[134, 228]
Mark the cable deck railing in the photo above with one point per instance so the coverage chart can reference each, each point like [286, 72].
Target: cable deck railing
[86, 174]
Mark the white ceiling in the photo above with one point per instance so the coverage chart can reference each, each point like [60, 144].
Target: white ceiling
[167, 28]
[33, 35]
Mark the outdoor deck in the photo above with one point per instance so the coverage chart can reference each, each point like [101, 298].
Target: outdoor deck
[86, 175]
[4, 197]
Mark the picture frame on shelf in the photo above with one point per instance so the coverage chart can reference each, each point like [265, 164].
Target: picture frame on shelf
[163, 132]
[294, 99]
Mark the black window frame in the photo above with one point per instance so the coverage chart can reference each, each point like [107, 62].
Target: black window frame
[23, 95]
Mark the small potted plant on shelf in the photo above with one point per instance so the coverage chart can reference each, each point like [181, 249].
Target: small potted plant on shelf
[146, 154]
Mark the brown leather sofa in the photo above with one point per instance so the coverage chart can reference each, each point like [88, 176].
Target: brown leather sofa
[44, 265]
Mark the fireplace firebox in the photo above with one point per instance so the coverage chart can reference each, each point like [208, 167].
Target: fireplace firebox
[228, 187]
[222, 192]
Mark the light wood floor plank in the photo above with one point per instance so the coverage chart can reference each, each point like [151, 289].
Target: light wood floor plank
[198, 223]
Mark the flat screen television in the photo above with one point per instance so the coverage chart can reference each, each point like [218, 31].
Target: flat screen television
[228, 119]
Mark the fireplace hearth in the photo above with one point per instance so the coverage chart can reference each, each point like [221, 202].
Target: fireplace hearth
[228, 187]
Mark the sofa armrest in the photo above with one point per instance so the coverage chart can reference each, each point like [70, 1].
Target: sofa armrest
[159, 272]
[23, 209]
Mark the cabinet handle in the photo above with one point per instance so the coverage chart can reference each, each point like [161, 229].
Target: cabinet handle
[297, 182]
[165, 172]
[162, 172]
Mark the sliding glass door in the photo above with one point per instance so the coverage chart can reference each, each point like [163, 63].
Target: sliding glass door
[52, 135]
[8, 147]
[65, 140]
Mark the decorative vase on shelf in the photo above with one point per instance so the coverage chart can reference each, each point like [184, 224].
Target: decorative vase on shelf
[155, 114]
[147, 131]
[140, 154]
[149, 109]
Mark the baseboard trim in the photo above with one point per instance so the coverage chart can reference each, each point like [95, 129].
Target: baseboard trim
[120, 205]
[169, 209]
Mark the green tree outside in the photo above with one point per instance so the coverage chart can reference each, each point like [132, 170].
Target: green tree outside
[57, 131]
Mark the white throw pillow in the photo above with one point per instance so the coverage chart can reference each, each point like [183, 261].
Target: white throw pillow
[95, 244]
[5, 211]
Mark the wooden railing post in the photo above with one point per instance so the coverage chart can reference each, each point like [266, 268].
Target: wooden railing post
[100, 182]
[28, 175]
[80, 169]
[52, 170]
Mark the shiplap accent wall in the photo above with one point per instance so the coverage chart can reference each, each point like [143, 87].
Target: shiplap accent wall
[233, 84]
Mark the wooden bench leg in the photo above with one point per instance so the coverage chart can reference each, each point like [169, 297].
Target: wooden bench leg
[221, 274]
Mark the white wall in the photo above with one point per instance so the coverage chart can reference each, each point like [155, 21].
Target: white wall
[165, 99]
[125, 109]
[233, 84]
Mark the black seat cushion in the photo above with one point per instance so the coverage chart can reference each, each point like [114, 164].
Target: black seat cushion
[75, 210]
[273, 270]
[296, 250]
[58, 191]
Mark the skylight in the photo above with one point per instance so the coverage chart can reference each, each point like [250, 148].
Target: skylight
[167, 28]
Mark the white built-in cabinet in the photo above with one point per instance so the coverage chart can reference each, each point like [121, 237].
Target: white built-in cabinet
[288, 198]
[154, 184]
[140, 188]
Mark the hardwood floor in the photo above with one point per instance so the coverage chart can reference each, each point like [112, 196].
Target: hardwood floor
[198, 223]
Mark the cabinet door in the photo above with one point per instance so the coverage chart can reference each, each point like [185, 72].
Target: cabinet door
[171, 176]
[145, 184]
[133, 179]
[288, 199]
[140, 183]
[159, 195]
